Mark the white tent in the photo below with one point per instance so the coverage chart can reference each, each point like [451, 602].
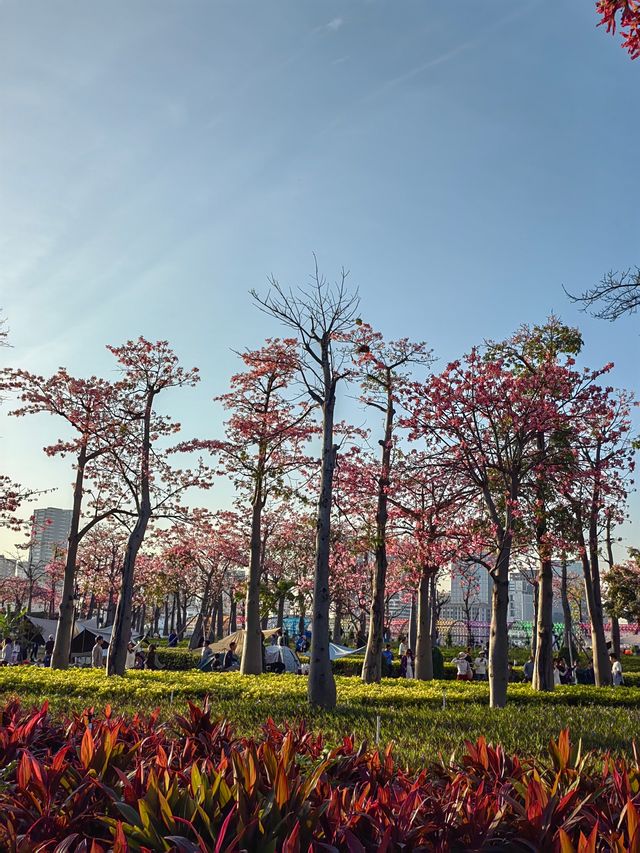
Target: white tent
[285, 655]
[336, 651]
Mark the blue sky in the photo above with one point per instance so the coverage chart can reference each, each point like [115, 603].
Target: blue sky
[159, 159]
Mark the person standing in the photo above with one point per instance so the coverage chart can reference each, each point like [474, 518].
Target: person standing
[527, 669]
[463, 667]
[97, 661]
[406, 664]
[7, 651]
[172, 641]
[387, 658]
[48, 650]
[480, 666]
[616, 671]
[402, 648]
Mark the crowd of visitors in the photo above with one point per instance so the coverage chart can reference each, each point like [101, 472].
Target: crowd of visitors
[468, 667]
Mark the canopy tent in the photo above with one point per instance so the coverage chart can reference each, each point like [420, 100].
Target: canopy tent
[336, 651]
[85, 640]
[45, 628]
[285, 655]
[237, 638]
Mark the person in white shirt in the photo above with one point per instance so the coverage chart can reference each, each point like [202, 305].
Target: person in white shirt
[480, 666]
[7, 651]
[402, 648]
[464, 668]
[616, 671]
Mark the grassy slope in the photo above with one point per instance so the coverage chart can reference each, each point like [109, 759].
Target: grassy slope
[411, 712]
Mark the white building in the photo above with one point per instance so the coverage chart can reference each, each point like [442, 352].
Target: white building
[50, 533]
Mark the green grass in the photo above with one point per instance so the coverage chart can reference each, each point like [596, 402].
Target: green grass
[411, 712]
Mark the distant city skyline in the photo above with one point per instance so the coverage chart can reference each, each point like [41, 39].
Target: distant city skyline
[158, 160]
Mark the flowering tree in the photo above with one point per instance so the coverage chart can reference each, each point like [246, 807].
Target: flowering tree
[486, 418]
[321, 317]
[88, 407]
[383, 367]
[626, 15]
[429, 510]
[623, 588]
[602, 454]
[265, 435]
[140, 470]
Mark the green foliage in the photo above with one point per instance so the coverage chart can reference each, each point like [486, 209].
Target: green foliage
[411, 712]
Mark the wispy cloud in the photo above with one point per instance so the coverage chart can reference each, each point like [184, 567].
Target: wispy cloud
[331, 26]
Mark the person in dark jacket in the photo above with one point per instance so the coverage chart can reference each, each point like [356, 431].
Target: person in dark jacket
[231, 658]
[151, 661]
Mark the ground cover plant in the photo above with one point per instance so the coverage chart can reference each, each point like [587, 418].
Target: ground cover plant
[102, 782]
[411, 712]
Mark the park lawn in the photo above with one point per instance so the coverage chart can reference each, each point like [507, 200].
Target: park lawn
[411, 712]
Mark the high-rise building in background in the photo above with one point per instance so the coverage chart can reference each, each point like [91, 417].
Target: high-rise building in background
[50, 533]
[8, 568]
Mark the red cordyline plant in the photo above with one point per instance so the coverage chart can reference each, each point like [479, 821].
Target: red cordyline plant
[101, 783]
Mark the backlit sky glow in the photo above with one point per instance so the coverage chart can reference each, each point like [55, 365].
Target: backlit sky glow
[159, 159]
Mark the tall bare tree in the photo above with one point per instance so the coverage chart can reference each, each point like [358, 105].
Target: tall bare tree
[322, 315]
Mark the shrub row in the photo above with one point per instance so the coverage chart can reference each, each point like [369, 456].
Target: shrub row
[107, 783]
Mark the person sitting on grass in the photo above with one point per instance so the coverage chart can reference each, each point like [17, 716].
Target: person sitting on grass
[231, 659]
[206, 657]
[151, 661]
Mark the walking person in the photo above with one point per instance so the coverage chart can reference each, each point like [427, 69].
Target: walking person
[97, 658]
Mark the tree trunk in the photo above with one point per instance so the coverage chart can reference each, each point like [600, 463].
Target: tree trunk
[413, 624]
[566, 608]
[433, 608]
[219, 618]
[423, 657]
[121, 634]
[543, 663]
[233, 615]
[280, 616]
[499, 633]
[372, 666]
[172, 624]
[615, 636]
[321, 688]
[534, 622]
[337, 623]
[251, 663]
[62, 648]
[600, 654]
